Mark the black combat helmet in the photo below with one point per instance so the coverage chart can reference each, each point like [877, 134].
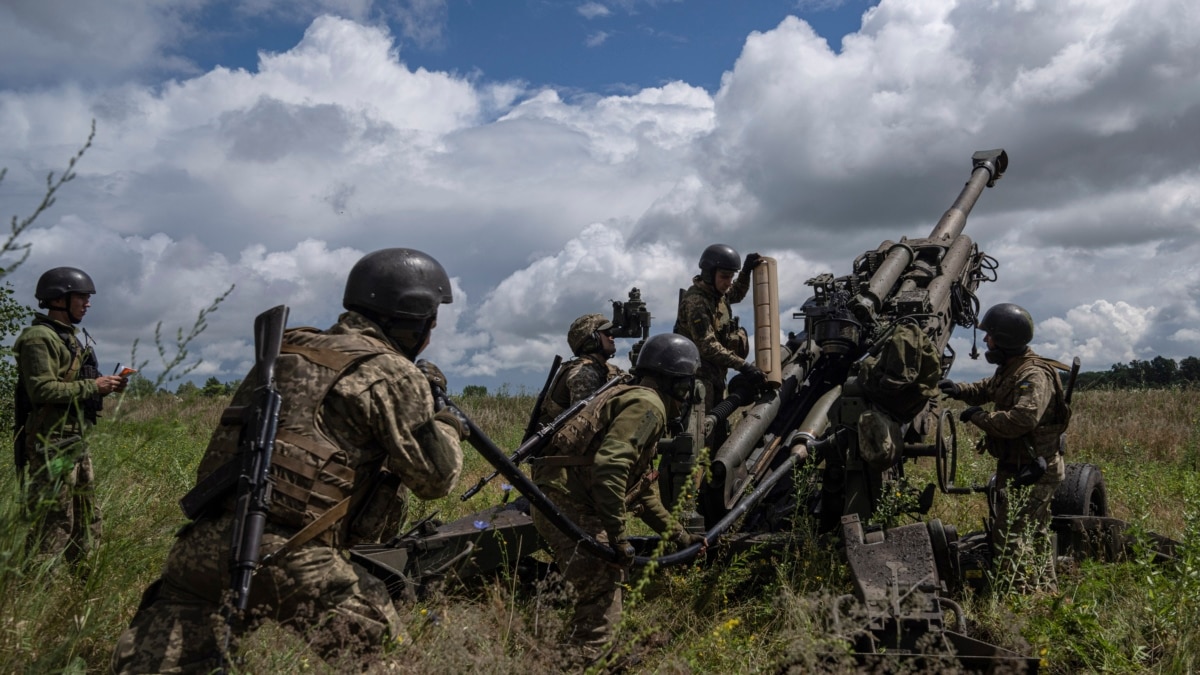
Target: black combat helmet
[581, 336]
[60, 281]
[1010, 326]
[397, 283]
[668, 354]
[719, 257]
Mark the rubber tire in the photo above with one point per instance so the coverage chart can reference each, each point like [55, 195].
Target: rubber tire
[1082, 492]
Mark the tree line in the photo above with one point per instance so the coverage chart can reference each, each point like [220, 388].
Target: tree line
[1157, 373]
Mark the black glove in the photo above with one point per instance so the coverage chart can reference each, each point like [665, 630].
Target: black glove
[437, 380]
[625, 552]
[949, 388]
[1030, 473]
[966, 415]
[752, 260]
[450, 415]
[756, 377]
[683, 539]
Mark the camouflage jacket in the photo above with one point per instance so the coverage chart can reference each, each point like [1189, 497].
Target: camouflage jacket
[575, 381]
[377, 418]
[1030, 412]
[706, 318]
[603, 459]
[58, 380]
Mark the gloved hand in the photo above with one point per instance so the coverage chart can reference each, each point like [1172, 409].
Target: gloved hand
[949, 388]
[437, 379]
[754, 376]
[752, 260]
[966, 415]
[683, 539]
[1030, 473]
[625, 551]
[451, 416]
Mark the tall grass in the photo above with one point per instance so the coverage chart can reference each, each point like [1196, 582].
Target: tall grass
[755, 612]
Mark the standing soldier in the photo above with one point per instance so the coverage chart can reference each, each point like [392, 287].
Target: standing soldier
[600, 467]
[1025, 430]
[356, 428]
[59, 393]
[706, 318]
[591, 341]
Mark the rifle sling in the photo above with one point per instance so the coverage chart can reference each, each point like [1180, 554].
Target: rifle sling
[312, 530]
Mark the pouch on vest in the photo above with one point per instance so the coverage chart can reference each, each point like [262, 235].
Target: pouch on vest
[901, 375]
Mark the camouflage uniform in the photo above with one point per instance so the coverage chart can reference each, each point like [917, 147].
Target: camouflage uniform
[575, 381]
[600, 466]
[706, 318]
[56, 376]
[1029, 419]
[378, 419]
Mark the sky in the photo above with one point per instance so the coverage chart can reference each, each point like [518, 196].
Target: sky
[552, 155]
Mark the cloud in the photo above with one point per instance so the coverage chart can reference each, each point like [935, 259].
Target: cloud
[545, 205]
[596, 39]
[592, 10]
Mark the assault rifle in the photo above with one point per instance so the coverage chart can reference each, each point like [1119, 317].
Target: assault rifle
[537, 440]
[257, 443]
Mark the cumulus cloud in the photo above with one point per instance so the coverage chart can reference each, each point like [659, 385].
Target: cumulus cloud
[596, 39]
[545, 205]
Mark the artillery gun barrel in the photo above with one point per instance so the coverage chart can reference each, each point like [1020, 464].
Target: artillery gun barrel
[988, 165]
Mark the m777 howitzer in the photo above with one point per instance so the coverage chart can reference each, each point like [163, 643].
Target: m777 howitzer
[841, 405]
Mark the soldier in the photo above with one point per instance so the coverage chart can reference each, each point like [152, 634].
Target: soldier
[1024, 432]
[356, 428]
[591, 341]
[59, 394]
[600, 467]
[706, 318]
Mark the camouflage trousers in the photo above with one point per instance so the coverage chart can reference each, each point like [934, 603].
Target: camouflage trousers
[594, 583]
[60, 498]
[339, 609]
[1021, 537]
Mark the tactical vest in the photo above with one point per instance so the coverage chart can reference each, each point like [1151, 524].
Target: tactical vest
[729, 334]
[311, 474]
[1045, 439]
[574, 448]
[43, 419]
[558, 397]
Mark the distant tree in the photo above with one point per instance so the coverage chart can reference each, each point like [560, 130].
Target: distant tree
[212, 388]
[13, 316]
[187, 389]
[1162, 372]
[1189, 370]
[140, 386]
[474, 390]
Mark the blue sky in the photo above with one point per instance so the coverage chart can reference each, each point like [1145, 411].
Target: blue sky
[269, 144]
[588, 47]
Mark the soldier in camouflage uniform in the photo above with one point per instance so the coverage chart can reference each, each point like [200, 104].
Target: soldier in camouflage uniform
[598, 468]
[1024, 432]
[357, 429]
[59, 392]
[706, 318]
[590, 339]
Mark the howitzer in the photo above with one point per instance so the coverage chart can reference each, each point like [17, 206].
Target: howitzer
[535, 442]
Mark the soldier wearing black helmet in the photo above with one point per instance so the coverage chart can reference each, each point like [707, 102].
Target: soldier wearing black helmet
[358, 429]
[591, 341]
[59, 394]
[706, 318]
[599, 468]
[1024, 430]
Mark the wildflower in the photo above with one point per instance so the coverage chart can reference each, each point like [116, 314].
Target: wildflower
[732, 623]
[505, 487]
[481, 525]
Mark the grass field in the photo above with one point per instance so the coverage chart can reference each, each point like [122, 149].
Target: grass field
[745, 615]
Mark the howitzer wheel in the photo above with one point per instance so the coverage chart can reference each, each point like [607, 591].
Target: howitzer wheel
[946, 447]
[1082, 492]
